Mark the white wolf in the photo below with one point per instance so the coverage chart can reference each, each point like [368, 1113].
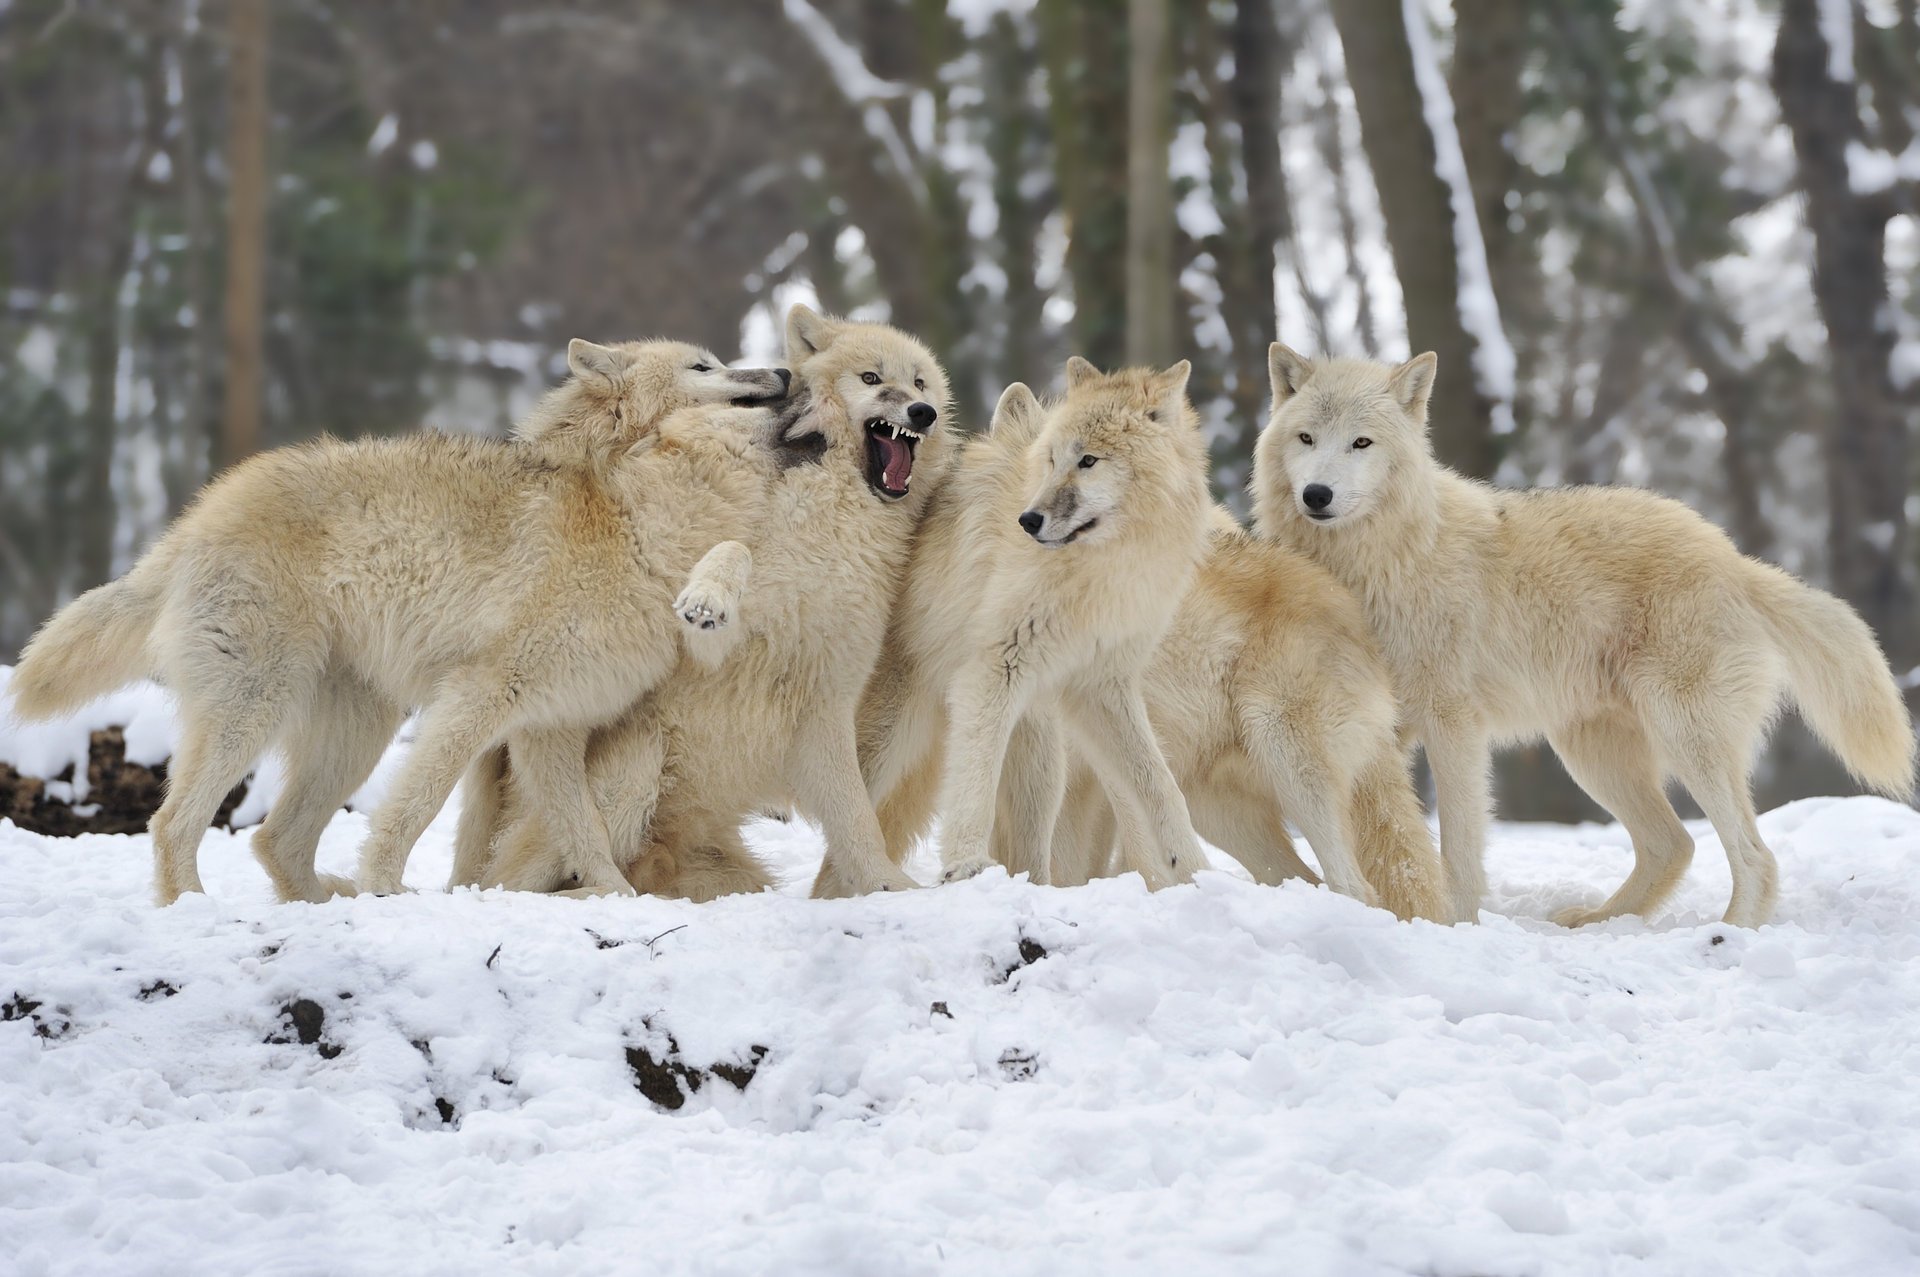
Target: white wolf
[310, 594]
[1270, 700]
[773, 726]
[1621, 625]
[1043, 579]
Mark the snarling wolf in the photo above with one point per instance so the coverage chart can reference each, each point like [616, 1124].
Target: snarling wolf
[1620, 625]
[311, 594]
[1046, 573]
[1271, 702]
[774, 725]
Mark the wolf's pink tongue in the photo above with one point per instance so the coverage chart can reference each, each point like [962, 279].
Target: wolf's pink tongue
[899, 463]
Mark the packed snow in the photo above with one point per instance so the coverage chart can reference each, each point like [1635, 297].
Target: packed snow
[985, 1077]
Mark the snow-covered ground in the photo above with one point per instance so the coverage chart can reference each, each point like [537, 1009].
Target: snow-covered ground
[983, 1078]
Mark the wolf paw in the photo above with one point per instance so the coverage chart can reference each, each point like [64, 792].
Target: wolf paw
[331, 885]
[962, 870]
[1579, 916]
[700, 610]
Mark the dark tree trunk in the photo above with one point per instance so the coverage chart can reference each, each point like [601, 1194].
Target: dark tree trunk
[1084, 45]
[246, 318]
[1150, 316]
[1867, 445]
[1417, 204]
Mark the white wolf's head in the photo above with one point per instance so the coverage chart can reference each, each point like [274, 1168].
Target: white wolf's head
[619, 395]
[876, 392]
[1343, 437]
[1122, 447]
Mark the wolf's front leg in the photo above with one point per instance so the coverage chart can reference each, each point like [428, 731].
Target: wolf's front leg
[1461, 758]
[482, 793]
[1033, 785]
[982, 707]
[1118, 737]
[825, 767]
[710, 603]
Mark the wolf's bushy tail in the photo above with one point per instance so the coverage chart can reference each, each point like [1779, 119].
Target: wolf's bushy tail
[1841, 682]
[92, 646]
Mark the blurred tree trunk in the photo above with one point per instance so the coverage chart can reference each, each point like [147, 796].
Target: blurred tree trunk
[1009, 126]
[194, 458]
[1149, 185]
[1260, 223]
[1083, 43]
[1489, 50]
[1867, 447]
[246, 319]
[1418, 208]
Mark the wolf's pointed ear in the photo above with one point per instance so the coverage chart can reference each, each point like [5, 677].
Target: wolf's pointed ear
[808, 332]
[1287, 370]
[1079, 372]
[1017, 409]
[588, 361]
[1412, 382]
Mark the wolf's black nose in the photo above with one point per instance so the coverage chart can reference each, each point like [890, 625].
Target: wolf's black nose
[921, 415]
[786, 379]
[1031, 521]
[1318, 496]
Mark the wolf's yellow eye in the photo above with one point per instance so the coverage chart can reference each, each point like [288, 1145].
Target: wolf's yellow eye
[871, 378]
[1306, 439]
[1363, 442]
[1087, 462]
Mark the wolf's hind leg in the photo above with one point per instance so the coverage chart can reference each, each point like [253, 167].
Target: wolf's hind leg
[710, 603]
[560, 840]
[330, 753]
[1613, 760]
[473, 712]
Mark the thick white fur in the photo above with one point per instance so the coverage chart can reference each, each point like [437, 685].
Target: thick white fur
[999, 630]
[1620, 625]
[1270, 700]
[312, 593]
[774, 726]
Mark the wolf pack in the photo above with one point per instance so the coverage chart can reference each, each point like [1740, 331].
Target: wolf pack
[684, 594]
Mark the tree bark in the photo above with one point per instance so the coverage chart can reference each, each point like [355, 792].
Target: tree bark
[1084, 45]
[1149, 186]
[1866, 443]
[246, 319]
[1489, 50]
[1417, 205]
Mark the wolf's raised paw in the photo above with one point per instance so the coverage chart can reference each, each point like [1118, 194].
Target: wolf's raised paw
[701, 615]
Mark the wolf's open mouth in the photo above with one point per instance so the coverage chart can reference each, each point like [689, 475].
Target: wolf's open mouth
[890, 457]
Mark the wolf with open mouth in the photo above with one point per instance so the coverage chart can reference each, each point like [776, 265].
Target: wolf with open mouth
[863, 442]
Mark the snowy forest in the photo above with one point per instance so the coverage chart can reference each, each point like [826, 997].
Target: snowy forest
[1669, 243]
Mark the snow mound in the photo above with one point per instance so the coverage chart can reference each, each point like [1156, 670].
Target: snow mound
[987, 1077]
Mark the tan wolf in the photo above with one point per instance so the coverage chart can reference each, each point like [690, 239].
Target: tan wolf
[1621, 625]
[1046, 573]
[774, 726]
[1270, 700]
[310, 594]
